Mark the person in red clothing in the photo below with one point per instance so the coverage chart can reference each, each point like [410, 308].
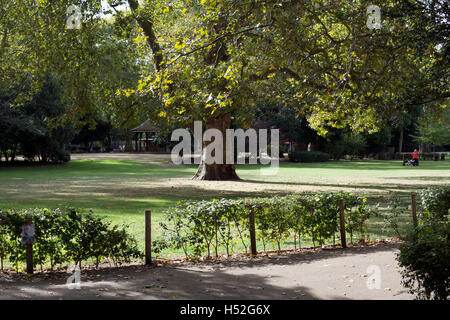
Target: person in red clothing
[415, 158]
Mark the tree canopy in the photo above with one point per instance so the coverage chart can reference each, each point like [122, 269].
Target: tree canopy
[218, 60]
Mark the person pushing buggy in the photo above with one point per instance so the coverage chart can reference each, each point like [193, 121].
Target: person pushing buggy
[415, 159]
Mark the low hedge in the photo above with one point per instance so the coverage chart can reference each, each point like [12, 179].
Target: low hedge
[308, 156]
[64, 236]
[199, 227]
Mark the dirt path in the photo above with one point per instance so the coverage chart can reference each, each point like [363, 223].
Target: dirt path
[324, 274]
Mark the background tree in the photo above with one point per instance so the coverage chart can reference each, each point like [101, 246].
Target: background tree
[435, 132]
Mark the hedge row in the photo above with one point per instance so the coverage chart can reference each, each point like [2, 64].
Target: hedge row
[64, 236]
[199, 227]
[308, 156]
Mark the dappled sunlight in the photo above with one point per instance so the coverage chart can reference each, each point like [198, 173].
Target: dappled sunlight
[127, 186]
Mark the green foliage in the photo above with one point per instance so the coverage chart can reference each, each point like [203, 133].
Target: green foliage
[88, 134]
[272, 219]
[354, 145]
[435, 203]
[434, 131]
[392, 215]
[309, 156]
[425, 259]
[335, 148]
[425, 255]
[63, 236]
[35, 129]
[357, 212]
[211, 58]
[320, 217]
[318, 55]
[293, 126]
[5, 245]
[199, 226]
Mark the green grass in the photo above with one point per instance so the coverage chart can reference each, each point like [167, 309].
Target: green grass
[123, 189]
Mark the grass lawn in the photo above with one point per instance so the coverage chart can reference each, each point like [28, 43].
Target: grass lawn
[123, 188]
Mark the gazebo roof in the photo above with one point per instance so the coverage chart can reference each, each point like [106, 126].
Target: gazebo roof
[146, 127]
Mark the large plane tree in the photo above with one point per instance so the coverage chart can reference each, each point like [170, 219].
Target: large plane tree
[213, 60]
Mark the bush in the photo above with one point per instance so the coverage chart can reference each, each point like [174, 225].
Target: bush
[354, 145]
[61, 156]
[425, 259]
[199, 227]
[435, 202]
[320, 217]
[64, 236]
[425, 255]
[336, 149]
[308, 156]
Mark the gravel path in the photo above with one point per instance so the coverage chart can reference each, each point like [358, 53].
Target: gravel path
[323, 274]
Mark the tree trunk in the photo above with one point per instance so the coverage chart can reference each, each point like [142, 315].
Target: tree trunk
[128, 141]
[216, 171]
[400, 142]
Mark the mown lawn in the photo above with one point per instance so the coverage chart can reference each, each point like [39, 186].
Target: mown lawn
[122, 189]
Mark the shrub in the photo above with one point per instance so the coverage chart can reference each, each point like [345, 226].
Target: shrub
[435, 202]
[281, 151]
[200, 226]
[4, 245]
[320, 218]
[64, 236]
[336, 149]
[274, 213]
[425, 255]
[308, 156]
[425, 259]
[354, 145]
